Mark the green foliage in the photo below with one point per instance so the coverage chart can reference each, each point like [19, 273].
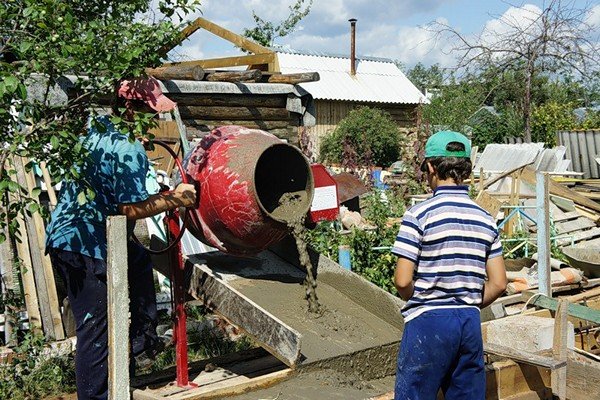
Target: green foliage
[455, 104]
[369, 249]
[487, 127]
[549, 118]
[32, 374]
[591, 121]
[265, 32]
[367, 136]
[97, 43]
[426, 78]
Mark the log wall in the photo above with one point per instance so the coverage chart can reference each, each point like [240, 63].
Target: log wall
[203, 112]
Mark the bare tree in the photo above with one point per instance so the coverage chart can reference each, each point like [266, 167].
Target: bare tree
[554, 39]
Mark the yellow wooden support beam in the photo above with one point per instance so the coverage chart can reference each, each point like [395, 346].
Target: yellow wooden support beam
[252, 59]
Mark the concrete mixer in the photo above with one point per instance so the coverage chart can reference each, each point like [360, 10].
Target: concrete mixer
[252, 185]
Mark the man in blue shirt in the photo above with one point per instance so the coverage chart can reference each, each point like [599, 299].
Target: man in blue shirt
[450, 265]
[76, 241]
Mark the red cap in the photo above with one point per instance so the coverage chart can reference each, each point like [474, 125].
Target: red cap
[148, 90]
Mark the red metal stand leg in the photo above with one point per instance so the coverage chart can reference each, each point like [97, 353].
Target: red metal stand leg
[179, 322]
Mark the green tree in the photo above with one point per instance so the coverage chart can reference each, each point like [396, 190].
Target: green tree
[555, 39]
[367, 136]
[265, 32]
[94, 42]
[426, 77]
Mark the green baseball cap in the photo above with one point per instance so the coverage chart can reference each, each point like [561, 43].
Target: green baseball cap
[437, 144]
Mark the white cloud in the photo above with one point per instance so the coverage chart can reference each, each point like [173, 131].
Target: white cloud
[326, 29]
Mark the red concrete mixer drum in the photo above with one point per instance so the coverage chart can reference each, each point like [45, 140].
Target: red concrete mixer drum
[252, 185]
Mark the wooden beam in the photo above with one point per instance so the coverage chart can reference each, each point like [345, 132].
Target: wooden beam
[543, 233]
[574, 310]
[234, 38]
[523, 356]
[251, 75]
[557, 189]
[236, 61]
[276, 337]
[118, 308]
[27, 277]
[177, 72]
[294, 79]
[559, 350]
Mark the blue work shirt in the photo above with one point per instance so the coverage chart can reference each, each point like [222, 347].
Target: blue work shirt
[116, 169]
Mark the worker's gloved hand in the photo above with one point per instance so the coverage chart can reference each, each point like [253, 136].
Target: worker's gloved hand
[187, 194]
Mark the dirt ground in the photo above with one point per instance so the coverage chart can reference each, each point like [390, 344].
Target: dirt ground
[322, 385]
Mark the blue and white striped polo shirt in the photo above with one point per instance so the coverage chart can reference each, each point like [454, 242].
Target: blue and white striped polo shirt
[449, 238]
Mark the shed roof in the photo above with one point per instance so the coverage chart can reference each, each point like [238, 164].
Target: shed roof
[377, 80]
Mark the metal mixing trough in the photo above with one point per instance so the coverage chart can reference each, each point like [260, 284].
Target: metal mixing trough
[358, 331]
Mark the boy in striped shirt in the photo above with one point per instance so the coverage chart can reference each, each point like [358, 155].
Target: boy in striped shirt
[450, 266]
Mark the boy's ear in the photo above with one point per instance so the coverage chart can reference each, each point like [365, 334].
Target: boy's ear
[430, 169]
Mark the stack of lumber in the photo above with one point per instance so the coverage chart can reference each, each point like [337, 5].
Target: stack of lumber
[25, 256]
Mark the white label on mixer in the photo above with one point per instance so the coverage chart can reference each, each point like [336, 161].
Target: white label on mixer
[325, 198]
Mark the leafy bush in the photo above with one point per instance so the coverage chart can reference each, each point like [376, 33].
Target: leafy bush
[32, 374]
[367, 136]
[549, 118]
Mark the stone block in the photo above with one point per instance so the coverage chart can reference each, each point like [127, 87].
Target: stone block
[525, 332]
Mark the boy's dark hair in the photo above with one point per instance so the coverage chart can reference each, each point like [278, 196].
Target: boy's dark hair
[457, 168]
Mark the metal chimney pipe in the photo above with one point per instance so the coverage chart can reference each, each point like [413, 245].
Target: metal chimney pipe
[352, 46]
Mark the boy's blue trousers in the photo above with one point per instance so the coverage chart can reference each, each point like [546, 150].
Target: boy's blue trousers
[441, 348]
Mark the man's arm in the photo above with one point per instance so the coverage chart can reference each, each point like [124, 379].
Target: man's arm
[184, 195]
[496, 283]
[403, 278]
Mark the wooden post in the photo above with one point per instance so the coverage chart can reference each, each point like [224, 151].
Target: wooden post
[558, 377]
[7, 285]
[49, 187]
[182, 131]
[118, 308]
[481, 186]
[543, 233]
[28, 279]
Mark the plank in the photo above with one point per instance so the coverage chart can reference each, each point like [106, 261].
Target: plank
[574, 310]
[528, 175]
[264, 58]
[567, 216]
[28, 278]
[118, 308]
[275, 336]
[49, 188]
[583, 378]
[40, 262]
[578, 224]
[559, 350]
[523, 356]
[253, 124]
[580, 236]
[221, 383]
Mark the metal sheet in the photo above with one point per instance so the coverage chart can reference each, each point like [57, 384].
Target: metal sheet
[349, 186]
[582, 148]
[376, 80]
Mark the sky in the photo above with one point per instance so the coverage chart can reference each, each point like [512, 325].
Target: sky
[394, 29]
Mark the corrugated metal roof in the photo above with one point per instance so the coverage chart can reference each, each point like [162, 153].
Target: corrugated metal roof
[376, 80]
